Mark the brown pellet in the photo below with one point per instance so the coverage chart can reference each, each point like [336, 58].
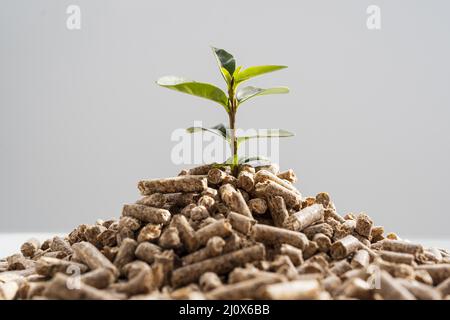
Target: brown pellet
[147, 214]
[187, 183]
[234, 200]
[343, 247]
[220, 265]
[257, 205]
[270, 188]
[305, 217]
[278, 210]
[273, 235]
[220, 228]
[240, 222]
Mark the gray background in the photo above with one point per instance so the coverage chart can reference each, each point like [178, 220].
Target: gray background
[82, 121]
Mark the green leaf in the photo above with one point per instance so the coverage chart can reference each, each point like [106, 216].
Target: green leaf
[217, 130]
[251, 159]
[235, 73]
[269, 133]
[246, 93]
[255, 71]
[199, 89]
[226, 75]
[225, 60]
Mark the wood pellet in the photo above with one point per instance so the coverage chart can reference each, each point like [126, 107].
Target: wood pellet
[206, 234]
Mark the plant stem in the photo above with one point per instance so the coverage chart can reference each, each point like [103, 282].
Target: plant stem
[232, 118]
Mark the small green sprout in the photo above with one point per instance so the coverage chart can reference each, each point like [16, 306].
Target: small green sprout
[230, 101]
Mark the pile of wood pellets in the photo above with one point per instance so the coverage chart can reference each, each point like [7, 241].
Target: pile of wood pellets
[207, 234]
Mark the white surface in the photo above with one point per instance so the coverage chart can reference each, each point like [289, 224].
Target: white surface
[10, 242]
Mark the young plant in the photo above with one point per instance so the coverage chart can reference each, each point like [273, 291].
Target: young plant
[230, 101]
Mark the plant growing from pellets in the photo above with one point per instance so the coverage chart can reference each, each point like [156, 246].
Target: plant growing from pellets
[231, 100]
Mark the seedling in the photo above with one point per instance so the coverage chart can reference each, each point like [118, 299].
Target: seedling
[230, 101]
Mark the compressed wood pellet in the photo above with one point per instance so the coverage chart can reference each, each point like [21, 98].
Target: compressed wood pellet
[273, 235]
[58, 289]
[169, 239]
[247, 289]
[149, 232]
[295, 254]
[364, 225]
[92, 233]
[156, 200]
[201, 170]
[229, 179]
[344, 247]
[186, 232]
[323, 228]
[331, 283]
[30, 247]
[213, 193]
[246, 180]
[92, 257]
[288, 175]
[258, 205]
[402, 246]
[216, 176]
[419, 290]
[330, 213]
[377, 233]
[264, 175]
[310, 250]
[50, 266]
[213, 248]
[209, 281]
[323, 242]
[130, 223]
[59, 244]
[146, 251]
[345, 229]
[241, 223]
[390, 289]
[270, 188]
[17, 262]
[305, 217]
[234, 200]
[438, 272]
[444, 287]
[198, 213]
[99, 278]
[107, 238]
[220, 228]
[28, 290]
[188, 183]
[397, 257]
[140, 283]
[147, 214]
[46, 244]
[220, 265]
[294, 290]
[323, 198]
[125, 253]
[208, 202]
[361, 259]
[278, 210]
[356, 288]
[423, 277]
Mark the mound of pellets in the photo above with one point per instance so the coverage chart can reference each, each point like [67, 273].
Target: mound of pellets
[207, 234]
